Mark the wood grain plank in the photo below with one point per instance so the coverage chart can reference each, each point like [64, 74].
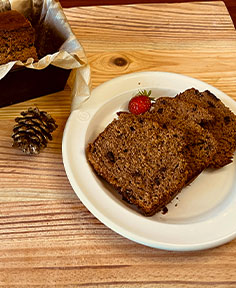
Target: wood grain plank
[45, 242]
[230, 4]
[177, 22]
[170, 41]
[33, 177]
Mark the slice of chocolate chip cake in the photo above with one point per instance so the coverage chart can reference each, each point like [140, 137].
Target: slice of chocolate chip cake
[142, 160]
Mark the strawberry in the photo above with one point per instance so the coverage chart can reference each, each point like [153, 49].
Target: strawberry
[140, 103]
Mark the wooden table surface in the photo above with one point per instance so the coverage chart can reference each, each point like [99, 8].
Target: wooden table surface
[48, 238]
[230, 4]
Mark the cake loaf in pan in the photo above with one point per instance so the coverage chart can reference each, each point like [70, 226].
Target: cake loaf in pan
[21, 39]
[17, 38]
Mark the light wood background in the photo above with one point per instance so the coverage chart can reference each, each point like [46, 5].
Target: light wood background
[48, 238]
[230, 4]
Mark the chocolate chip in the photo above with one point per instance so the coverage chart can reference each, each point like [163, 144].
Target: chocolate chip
[164, 126]
[203, 123]
[164, 210]
[163, 169]
[227, 120]
[211, 104]
[157, 181]
[176, 166]
[136, 174]
[111, 156]
[140, 120]
[160, 110]
[132, 128]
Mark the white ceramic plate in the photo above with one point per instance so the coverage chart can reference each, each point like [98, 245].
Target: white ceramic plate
[202, 216]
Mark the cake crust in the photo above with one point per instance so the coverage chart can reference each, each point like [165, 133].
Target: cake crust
[13, 20]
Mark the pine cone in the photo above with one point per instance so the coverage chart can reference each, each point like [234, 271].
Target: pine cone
[33, 131]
